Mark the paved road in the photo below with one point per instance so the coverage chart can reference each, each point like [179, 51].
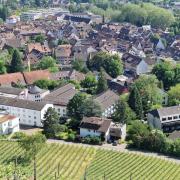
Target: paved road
[120, 148]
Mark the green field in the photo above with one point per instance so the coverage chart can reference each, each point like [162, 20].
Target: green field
[74, 162]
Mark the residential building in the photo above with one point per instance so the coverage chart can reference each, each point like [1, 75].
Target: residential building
[107, 101]
[95, 126]
[29, 112]
[30, 16]
[12, 19]
[117, 131]
[166, 119]
[60, 98]
[8, 123]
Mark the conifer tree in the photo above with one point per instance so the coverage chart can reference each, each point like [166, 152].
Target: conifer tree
[16, 62]
[102, 82]
[135, 102]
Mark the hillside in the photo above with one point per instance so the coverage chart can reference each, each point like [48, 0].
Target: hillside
[73, 162]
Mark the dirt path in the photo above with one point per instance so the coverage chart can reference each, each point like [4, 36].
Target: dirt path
[120, 148]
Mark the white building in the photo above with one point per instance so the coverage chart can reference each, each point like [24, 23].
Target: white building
[12, 19]
[166, 119]
[30, 16]
[107, 100]
[8, 123]
[95, 126]
[30, 113]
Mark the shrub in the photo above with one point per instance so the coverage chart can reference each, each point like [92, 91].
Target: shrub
[18, 135]
[71, 137]
[62, 135]
[91, 140]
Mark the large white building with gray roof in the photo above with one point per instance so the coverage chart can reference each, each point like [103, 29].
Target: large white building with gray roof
[29, 112]
[166, 119]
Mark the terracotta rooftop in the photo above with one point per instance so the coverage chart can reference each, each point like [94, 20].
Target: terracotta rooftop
[31, 77]
[5, 118]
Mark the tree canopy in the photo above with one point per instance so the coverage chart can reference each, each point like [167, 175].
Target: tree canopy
[112, 64]
[174, 95]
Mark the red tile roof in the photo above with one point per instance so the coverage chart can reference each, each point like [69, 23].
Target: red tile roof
[8, 79]
[31, 77]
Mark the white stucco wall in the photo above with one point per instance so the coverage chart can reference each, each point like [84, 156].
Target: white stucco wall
[88, 132]
[9, 126]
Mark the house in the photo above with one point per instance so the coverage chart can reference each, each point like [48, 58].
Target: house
[134, 65]
[30, 16]
[8, 123]
[69, 75]
[160, 45]
[166, 119]
[12, 19]
[60, 98]
[30, 113]
[117, 131]
[95, 126]
[107, 101]
[63, 54]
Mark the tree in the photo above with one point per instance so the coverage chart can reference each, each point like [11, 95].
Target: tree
[4, 13]
[102, 82]
[174, 95]
[50, 122]
[91, 108]
[74, 106]
[40, 38]
[147, 86]
[3, 69]
[16, 62]
[89, 83]
[123, 113]
[135, 102]
[112, 64]
[32, 145]
[48, 62]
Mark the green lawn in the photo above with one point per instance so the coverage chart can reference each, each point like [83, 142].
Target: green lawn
[72, 162]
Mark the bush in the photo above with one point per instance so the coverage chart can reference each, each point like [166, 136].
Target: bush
[62, 135]
[91, 140]
[71, 137]
[18, 135]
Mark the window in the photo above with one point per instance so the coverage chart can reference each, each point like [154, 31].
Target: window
[175, 117]
[163, 119]
[89, 130]
[34, 117]
[169, 118]
[59, 110]
[29, 116]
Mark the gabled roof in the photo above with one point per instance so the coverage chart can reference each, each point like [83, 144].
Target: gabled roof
[22, 103]
[8, 79]
[166, 111]
[107, 99]
[96, 123]
[62, 95]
